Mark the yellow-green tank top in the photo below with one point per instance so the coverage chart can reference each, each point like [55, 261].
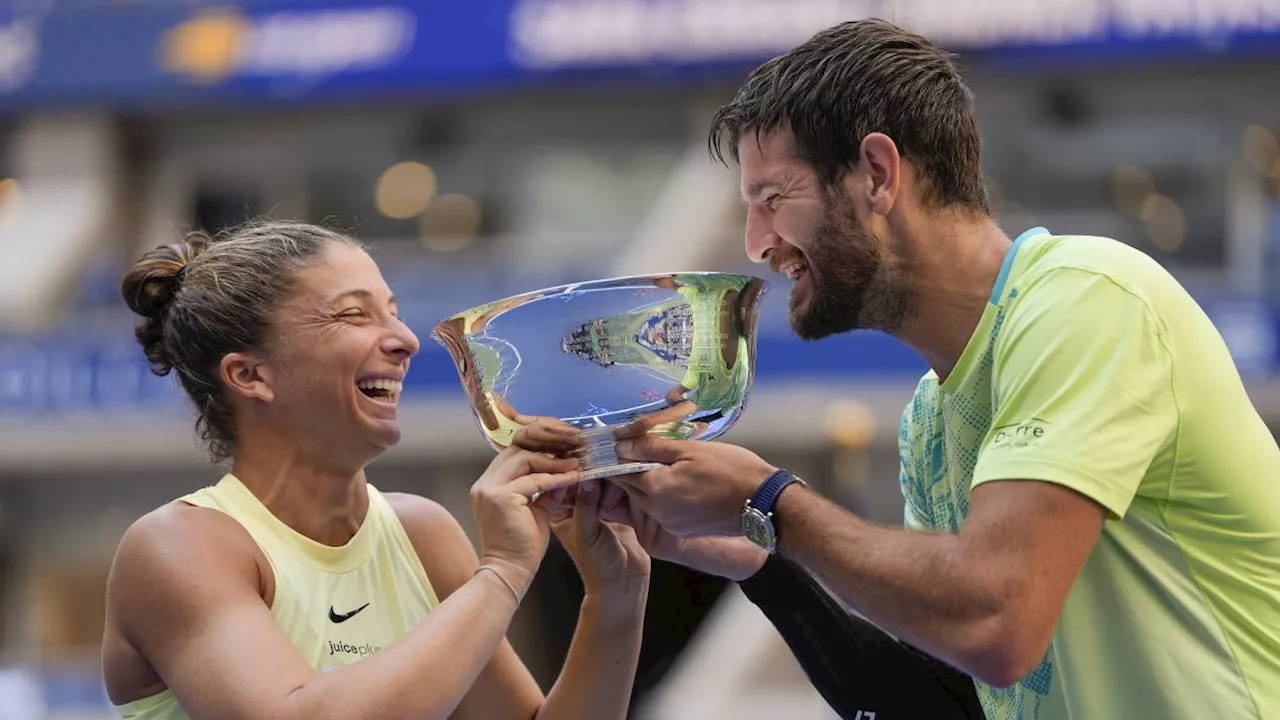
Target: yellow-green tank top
[336, 604]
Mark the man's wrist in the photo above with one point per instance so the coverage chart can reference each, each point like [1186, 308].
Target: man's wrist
[788, 511]
[747, 564]
[759, 517]
[789, 495]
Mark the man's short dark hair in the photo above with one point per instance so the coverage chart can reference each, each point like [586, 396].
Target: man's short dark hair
[854, 79]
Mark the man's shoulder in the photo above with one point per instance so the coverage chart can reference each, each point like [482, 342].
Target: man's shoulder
[1065, 262]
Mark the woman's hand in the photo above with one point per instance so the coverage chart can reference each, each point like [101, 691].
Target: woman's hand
[608, 555]
[513, 530]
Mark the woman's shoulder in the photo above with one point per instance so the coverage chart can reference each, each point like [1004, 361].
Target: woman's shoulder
[179, 526]
[173, 553]
[179, 540]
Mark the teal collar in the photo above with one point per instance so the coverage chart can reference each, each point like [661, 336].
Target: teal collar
[1007, 266]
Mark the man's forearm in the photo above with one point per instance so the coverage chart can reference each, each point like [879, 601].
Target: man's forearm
[600, 668]
[916, 585]
[854, 665]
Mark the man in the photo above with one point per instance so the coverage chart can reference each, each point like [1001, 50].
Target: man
[1092, 503]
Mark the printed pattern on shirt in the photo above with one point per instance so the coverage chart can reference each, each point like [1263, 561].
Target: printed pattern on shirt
[939, 439]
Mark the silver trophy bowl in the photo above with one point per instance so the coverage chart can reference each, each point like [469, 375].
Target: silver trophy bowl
[675, 352]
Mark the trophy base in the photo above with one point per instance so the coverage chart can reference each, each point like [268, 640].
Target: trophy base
[601, 473]
[602, 462]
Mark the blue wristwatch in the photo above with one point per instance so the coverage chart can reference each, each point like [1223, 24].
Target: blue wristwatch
[757, 514]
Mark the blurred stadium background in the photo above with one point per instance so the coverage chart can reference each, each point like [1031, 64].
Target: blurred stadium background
[488, 147]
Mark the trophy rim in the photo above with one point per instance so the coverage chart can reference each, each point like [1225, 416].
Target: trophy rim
[453, 332]
[620, 281]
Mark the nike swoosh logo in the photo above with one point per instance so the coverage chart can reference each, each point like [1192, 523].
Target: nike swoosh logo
[336, 618]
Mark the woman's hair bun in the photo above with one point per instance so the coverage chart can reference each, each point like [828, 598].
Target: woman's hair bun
[150, 286]
[152, 282]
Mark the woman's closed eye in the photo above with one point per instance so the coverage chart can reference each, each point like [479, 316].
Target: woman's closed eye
[360, 314]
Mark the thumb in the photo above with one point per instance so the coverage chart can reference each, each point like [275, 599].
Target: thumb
[558, 504]
[586, 511]
[651, 449]
[586, 504]
[614, 503]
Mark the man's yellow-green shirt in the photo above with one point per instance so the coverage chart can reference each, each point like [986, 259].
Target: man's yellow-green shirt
[1092, 368]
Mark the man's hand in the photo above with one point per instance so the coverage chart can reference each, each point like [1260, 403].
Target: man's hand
[735, 558]
[702, 488]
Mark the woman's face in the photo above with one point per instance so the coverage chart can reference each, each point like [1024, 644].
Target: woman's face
[340, 354]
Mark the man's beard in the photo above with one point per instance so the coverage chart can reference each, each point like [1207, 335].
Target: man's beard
[853, 286]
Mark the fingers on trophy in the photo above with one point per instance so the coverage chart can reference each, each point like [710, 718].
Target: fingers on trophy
[570, 370]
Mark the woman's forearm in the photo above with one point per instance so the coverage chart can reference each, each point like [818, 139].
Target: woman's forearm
[600, 669]
[451, 646]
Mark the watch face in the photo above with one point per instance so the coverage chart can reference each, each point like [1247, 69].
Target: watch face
[759, 529]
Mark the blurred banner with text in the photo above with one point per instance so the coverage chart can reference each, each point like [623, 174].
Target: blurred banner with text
[69, 54]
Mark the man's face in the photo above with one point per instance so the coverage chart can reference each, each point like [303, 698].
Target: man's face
[842, 272]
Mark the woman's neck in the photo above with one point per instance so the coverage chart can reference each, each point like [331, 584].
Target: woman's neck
[321, 503]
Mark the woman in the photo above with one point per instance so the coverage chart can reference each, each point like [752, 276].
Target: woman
[293, 588]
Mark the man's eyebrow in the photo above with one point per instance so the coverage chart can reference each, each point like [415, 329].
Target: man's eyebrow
[757, 188]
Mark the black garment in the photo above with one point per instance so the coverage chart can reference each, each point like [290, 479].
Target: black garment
[852, 663]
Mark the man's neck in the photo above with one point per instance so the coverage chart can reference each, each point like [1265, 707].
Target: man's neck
[956, 265]
[324, 504]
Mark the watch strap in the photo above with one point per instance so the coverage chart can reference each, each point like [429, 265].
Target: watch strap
[766, 496]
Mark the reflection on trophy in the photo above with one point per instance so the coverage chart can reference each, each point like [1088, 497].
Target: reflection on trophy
[671, 354]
